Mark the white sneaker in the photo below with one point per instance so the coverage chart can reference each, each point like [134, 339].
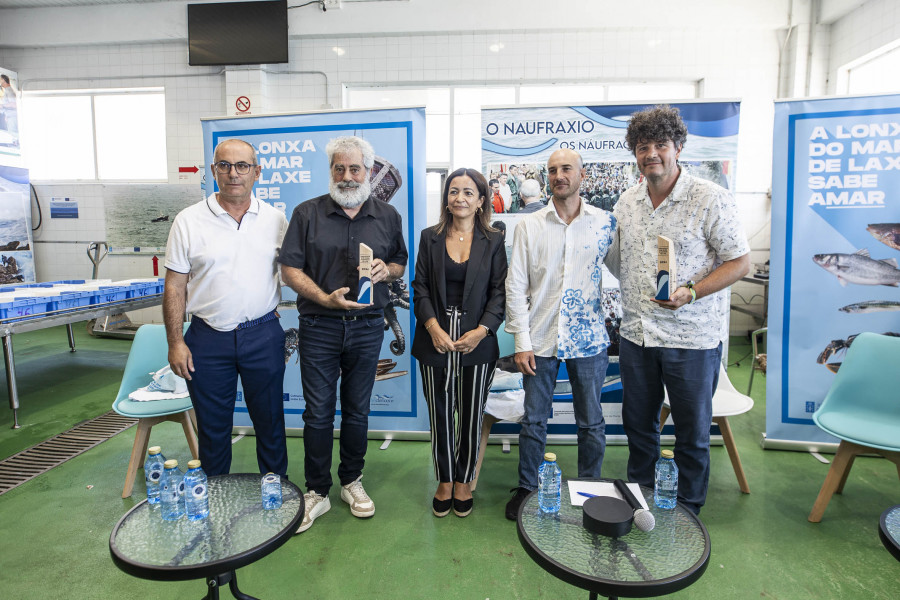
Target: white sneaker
[360, 503]
[314, 506]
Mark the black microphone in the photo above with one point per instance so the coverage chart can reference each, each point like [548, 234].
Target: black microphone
[643, 518]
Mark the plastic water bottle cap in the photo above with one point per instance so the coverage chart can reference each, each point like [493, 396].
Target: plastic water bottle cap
[154, 450]
[550, 457]
[171, 463]
[193, 464]
[667, 454]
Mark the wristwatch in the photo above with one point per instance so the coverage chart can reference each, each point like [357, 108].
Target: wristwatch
[690, 286]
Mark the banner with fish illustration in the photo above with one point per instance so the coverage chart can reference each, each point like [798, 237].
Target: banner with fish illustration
[16, 245]
[295, 168]
[835, 249]
[516, 142]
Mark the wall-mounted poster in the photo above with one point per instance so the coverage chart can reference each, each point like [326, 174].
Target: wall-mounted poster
[835, 249]
[9, 114]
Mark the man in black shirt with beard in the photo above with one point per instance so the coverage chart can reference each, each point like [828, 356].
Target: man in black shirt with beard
[338, 337]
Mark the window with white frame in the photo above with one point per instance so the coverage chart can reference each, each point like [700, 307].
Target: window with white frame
[453, 114]
[871, 75]
[95, 135]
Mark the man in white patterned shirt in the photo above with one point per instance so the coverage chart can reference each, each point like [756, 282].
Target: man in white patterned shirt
[672, 345]
[554, 310]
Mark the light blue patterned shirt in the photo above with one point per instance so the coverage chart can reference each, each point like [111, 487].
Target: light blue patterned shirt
[553, 290]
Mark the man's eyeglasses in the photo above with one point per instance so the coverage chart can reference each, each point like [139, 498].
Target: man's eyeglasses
[224, 167]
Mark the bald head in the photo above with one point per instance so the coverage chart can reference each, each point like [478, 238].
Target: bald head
[237, 143]
[565, 170]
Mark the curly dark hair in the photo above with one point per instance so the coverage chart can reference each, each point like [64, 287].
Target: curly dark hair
[658, 124]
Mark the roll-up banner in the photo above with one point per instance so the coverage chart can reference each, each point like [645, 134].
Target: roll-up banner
[291, 151]
[835, 247]
[16, 244]
[517, 141]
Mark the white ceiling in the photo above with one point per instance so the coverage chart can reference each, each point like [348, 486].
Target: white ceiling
[51, 3]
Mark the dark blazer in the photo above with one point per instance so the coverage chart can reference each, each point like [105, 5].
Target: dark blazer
[484, 294]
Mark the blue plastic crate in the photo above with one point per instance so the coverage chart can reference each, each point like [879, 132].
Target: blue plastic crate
[73, 300]
[139, 289]
[110, 293]
[27, 308]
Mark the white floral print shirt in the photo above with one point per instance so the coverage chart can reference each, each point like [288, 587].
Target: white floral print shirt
[701, 218]
[553, 289]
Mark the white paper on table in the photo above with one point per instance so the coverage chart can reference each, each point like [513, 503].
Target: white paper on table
[601, 488]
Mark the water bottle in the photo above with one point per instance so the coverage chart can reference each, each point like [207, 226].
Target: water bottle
[171, 492]
[549, 484]
[196, 492]
[153, 470]
[665, 493]
[271, 491]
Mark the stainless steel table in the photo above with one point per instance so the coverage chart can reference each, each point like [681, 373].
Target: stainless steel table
[67, 317]
[237, 532]
[670, 557]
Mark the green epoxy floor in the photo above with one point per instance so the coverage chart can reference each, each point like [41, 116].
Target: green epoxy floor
[54, 530]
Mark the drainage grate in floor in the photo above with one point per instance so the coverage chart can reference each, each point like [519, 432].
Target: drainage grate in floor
[28, 464]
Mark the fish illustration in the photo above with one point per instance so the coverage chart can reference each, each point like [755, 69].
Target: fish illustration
[870, 306]
[886, 233]
[860, 268]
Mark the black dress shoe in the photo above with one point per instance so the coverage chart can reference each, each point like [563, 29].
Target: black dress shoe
[512, 507]
[441, 508]
[462, 508]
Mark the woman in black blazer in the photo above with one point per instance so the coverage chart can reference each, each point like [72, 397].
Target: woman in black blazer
[459, 297]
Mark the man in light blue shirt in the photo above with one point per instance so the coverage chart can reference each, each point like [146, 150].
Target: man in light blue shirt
[554, 310]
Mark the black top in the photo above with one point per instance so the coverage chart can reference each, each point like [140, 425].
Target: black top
[456, 279]
[483, 298]
[324, 242]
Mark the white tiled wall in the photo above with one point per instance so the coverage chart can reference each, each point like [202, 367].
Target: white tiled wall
[729, 62]
[874, 24]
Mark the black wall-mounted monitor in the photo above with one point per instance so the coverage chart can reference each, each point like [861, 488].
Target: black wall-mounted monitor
[238, 33]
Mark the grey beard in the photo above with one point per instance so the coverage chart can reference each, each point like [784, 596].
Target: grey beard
[350, 198]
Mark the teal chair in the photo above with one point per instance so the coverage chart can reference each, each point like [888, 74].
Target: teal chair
[862, 409]
[149, 353]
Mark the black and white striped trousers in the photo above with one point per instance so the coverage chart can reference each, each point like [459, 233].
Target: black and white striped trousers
[455, 412]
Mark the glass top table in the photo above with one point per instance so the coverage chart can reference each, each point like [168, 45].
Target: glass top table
[889, 530]
[670, 557]
[237, 532]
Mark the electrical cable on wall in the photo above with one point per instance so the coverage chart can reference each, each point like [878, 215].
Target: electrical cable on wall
[34, 195]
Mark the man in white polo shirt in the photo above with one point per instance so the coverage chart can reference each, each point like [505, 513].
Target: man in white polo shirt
[221, 268]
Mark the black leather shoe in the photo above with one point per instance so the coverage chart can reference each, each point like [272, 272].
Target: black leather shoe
[441, 508]
[512, 507]
[462, 508]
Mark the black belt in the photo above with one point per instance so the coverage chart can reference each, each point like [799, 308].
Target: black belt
[271, 316]
[353, 317]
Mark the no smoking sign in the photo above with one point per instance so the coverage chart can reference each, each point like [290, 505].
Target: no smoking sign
[242, 104]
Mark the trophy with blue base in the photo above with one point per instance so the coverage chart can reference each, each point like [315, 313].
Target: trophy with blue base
[365, 275]
[666, 280]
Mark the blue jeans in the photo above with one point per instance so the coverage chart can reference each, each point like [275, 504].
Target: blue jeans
[332, 349]
[257, 355]
[690, 377]
[586, 376]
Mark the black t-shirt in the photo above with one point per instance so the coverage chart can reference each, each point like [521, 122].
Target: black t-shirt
[324, 242]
